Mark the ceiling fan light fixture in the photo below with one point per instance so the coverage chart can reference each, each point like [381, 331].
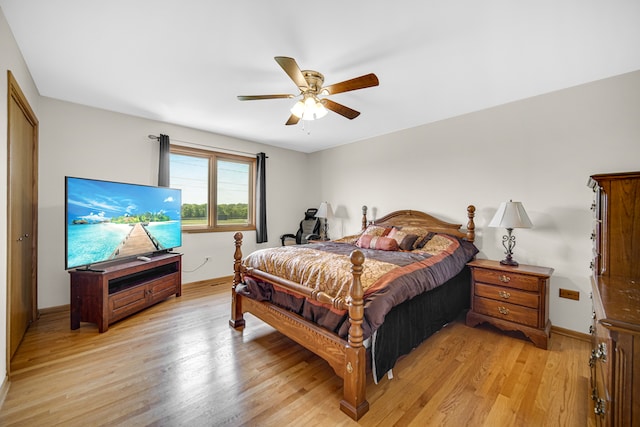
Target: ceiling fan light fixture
[309, 108]
[298, 109]
[319, 110]
[310, 84]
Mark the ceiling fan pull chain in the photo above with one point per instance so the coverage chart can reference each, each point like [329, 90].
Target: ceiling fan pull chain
[306, 126]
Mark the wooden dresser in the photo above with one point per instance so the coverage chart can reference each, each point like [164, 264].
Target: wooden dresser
[511, 298]
[615, 357]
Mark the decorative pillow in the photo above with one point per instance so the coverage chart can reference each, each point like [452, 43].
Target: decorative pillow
[405, 240]
[424, 240]
[383, 243]
[371, 230]
[376, 230]
[437, 243]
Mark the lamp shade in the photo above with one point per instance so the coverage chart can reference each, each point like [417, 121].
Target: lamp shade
[511, 215]
[324, 210]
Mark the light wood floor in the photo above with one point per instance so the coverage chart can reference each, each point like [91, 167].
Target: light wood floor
[179, 363]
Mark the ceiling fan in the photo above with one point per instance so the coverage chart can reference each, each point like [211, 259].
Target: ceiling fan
[309, 82]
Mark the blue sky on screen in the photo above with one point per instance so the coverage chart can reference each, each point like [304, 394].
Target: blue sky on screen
[95, 200]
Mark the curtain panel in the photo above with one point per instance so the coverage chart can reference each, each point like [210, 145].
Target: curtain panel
[261, 199]
[163, 166]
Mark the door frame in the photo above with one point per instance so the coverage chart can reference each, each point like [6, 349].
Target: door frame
[15, 93]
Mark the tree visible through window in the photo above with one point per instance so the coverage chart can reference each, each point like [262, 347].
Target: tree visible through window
[217, 189]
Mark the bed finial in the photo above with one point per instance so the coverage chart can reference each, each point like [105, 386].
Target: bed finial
[364, 217]
[471, 226]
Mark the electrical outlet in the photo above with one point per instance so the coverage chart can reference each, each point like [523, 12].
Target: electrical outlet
[566, 293]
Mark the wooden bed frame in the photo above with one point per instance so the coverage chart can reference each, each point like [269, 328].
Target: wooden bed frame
[346, 357]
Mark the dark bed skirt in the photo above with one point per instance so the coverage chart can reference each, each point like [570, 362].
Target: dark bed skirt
[410, 323]
[404, 327]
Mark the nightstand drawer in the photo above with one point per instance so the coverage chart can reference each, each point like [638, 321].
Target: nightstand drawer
[504, 278]
[510, 295]
[506, 311]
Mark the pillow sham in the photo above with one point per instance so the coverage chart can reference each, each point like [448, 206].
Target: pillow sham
[376, 230]
[351, 239]
[371, 230]
[436, 244]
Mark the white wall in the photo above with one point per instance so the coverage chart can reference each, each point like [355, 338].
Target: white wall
[539, 151]
[10, 59]
[87, 142]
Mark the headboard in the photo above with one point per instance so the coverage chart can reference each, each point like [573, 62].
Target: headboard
[416, 218]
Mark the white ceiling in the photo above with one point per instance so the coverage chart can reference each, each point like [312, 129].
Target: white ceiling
[184, 61]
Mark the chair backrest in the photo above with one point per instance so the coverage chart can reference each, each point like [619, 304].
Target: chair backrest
[309, 225]
[310, 213]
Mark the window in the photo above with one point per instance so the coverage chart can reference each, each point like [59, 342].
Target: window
[217, 189]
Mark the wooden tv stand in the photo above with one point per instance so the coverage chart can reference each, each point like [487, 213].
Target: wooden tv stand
[119, 290]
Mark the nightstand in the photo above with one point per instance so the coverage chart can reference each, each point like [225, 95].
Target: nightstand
[511, 298]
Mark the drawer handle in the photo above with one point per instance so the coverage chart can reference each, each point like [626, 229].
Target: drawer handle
[504, 279]
[601, 352]
[600, 407]
[592, 358]
[503, 310]
[505, 295]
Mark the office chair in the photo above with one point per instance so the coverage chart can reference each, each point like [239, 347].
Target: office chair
[309, 229]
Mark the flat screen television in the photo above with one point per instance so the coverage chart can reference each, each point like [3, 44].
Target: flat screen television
[111, 221]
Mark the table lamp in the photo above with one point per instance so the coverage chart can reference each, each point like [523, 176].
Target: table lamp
[510, 215]
[323, 212]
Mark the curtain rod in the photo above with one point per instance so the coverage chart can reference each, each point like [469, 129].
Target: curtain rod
[157, 138]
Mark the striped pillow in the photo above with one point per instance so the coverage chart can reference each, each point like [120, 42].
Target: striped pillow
[382, 243]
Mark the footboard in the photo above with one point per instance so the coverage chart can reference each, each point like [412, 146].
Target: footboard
[346, 357]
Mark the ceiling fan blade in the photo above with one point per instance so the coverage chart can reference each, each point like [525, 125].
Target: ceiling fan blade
[361, 82]
[255, 97]
[293, 120]
[290, 67]
[340, 109]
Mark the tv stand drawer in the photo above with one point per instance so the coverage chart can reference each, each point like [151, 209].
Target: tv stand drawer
[127, 302]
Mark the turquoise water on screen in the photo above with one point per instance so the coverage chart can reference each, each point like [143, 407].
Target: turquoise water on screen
[93, 243]
[168, 233]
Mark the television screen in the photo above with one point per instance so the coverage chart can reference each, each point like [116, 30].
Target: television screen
[109, 221]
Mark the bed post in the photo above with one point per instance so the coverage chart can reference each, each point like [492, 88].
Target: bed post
[237, 320]
[354, 402]
[364, 217]
[471, 226]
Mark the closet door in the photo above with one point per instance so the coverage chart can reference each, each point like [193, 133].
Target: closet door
[22, 217]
